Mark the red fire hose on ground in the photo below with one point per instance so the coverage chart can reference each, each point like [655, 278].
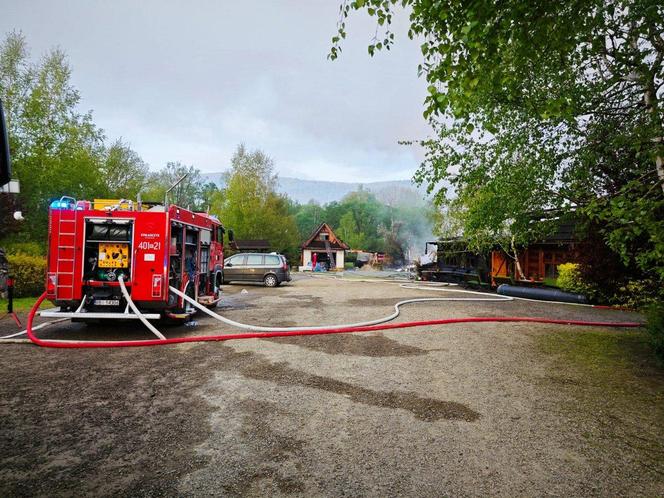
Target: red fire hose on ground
[259, 335]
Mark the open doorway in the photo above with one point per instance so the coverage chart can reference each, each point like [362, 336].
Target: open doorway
[323, 259]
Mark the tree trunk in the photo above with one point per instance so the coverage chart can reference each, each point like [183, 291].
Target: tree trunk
[659, 164]
[650, 100]
[519, 271]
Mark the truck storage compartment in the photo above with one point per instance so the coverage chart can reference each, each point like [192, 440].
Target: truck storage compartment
[107, 250]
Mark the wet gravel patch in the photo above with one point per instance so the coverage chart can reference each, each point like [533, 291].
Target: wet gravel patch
[99, 423]
[378, 301]
[423, 408]
[377, 346]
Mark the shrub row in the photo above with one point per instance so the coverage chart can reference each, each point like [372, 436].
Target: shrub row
[29, 274]
[635, 294]
[29, 248]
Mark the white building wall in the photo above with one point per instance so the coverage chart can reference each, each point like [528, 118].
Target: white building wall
[306, 257]
[339, 257]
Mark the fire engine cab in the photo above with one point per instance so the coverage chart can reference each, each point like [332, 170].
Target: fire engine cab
[150, 247]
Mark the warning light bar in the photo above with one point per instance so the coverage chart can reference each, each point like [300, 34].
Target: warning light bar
[62, 204]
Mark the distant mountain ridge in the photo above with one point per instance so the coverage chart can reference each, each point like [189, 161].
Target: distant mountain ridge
[322, 191]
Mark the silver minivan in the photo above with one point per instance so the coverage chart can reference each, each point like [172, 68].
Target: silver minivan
[271, 269]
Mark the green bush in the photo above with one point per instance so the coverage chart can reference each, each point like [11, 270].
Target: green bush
[637, 294]
[570, 279]
[349, 265]
[27, 248]
[655, 327]
[29, 274]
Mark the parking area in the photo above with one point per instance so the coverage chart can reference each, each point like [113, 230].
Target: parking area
[469, 409]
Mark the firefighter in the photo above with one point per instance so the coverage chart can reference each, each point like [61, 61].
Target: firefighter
[190, 264]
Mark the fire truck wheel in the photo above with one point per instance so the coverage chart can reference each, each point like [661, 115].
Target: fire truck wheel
[271, 280]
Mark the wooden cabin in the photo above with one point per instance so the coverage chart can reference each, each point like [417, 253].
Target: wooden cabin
[456, 262]
[328, 249]
[539, 260]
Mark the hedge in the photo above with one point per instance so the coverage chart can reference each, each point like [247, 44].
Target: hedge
[29, 274]
[17, 247]
[570, 279]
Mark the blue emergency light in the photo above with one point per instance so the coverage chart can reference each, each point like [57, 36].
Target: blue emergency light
[61, 204]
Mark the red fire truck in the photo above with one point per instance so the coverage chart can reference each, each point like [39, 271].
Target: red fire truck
[150, 247]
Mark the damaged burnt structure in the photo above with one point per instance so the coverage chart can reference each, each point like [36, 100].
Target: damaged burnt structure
[451, 260]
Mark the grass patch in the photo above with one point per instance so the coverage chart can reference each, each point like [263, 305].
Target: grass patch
[610, 358]
[23, 304]
[598, 350]
[612, 388]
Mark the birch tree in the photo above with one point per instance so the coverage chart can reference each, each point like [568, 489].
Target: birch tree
[540, 106]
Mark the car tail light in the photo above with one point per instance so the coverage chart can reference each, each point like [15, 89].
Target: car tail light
[156, 285]
[51, 284]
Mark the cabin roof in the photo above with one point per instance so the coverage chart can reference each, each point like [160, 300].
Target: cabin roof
[335, 242]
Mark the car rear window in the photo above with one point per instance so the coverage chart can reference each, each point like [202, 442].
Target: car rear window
[272, 261]
[255, 259]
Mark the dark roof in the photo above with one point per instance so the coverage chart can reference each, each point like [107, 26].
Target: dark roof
[243, 245]
[566, 231]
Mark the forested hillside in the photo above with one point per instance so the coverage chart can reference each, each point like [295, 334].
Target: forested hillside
[321, 191]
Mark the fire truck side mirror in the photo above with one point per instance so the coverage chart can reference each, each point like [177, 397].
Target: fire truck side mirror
[231, 235]
[5, 162]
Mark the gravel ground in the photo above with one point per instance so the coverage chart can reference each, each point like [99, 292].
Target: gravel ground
[463, 410]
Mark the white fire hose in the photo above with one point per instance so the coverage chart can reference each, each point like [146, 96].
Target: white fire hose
[377, 321]
[392, 316]
[245, 326]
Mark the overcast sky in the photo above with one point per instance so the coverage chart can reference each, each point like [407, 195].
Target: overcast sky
[189, 80]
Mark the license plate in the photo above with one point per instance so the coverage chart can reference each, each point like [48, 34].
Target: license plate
[107, 302]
